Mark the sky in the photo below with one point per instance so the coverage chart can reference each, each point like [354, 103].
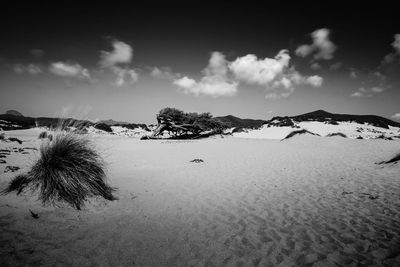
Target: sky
[113, 61]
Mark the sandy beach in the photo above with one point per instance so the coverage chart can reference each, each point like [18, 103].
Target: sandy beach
[306, 201]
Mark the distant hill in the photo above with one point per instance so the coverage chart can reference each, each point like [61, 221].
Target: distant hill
[17, 122]
[14, 112]
[332, 118]
[233, 121]
[13, 122]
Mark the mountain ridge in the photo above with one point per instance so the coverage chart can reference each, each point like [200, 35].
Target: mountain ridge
[15, 121]
[333, 118]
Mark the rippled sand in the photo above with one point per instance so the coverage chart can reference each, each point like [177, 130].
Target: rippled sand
[306, 201]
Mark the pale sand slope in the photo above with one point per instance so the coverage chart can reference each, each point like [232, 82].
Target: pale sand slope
[252, 202]
[350, 129]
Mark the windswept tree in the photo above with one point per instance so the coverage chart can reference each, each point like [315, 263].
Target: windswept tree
[179, 123]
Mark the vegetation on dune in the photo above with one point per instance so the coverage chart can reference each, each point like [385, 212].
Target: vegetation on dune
[240, 124]
[43, 135]
[332, 118]
[14, 139]
[394, 159]
[103, 127]
[182, 124]
[302, 131]
[337, 134]
[69, 169]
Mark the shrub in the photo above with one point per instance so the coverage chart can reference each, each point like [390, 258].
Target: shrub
[394, 159]
[69, 169]
[181, 123]
[337, 134]
[14, 139]
[302, 131]
[103, 127]
[43, 135]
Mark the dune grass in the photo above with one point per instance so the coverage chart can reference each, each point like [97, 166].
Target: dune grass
[394, 159]
[302, 131]
[14, 139]
[337, 134]
[69, 170]
[42, 135]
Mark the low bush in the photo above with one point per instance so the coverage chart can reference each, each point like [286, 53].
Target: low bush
[69, 169]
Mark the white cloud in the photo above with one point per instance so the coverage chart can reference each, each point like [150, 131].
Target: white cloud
[121, 54]
[396, 43]
[217, 65]
[275, 74]
[164, 73]
[118, 61]
[209, 85]
[286, 92]
[124, 75]
[353, 74]
[335, 66]
[214, 83]
[379, 75]
[32, 69]
[185, 83]
[357, 94]
[221, 78]
[252, 70]
[304, 50]
[321, 48]
[396, 116]
[314, 80]
[19, 68]
[66, 69]
[377, 89]
[365, 92]
[389, 58]
[315, 66]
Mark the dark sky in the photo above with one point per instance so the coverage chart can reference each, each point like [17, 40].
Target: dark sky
[179, 40]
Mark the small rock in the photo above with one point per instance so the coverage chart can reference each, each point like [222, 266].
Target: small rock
[2, 161]
[34, 215]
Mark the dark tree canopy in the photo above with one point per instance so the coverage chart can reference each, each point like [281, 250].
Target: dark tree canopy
[180, 123]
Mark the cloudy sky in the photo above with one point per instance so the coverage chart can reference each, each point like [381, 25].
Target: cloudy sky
[126, 63]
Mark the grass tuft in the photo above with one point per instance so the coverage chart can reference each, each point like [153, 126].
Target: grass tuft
[69, 170]
[394, 159]
[43, 135]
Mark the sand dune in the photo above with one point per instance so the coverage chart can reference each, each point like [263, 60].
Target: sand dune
[308, 201]
[349, 129]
